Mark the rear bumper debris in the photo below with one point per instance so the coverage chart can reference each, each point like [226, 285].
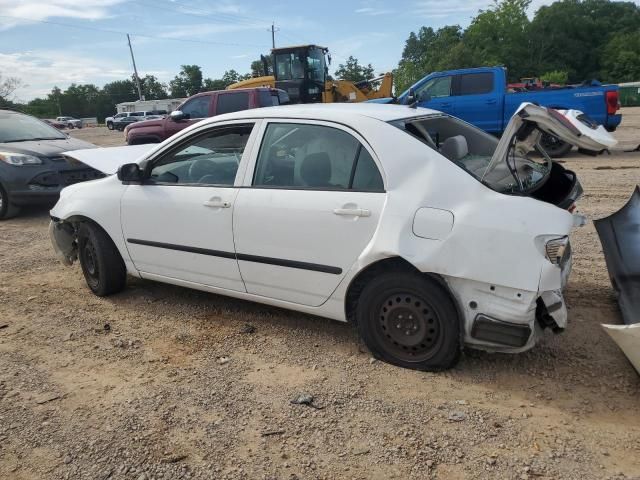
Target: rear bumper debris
[620, 238]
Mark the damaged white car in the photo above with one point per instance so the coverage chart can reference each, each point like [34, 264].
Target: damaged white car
[419, 228]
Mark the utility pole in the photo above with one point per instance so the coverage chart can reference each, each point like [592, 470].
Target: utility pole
[135, 70]
[273, 34]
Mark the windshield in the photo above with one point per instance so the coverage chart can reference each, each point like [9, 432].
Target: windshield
[290, 66]
[315, 63]
[471, 149]
[16, 127]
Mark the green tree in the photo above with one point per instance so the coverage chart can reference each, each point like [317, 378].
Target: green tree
[258, 66]
[229, 77]
[431, 50]
[354, 72]
[500, 36]
[572, 35]
[188, 82]
[557, 76]
[153, 89]
[621, 58]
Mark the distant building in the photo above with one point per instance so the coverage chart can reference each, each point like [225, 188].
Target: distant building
[170, 104]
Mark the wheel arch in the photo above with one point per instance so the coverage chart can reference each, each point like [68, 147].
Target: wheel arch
[77, 218]
[390, 264]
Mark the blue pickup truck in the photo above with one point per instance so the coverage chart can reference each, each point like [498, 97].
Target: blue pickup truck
[481, 97]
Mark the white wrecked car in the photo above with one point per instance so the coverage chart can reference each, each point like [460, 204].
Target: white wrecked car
[421, 229]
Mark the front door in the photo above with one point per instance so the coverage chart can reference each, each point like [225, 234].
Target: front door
[310, 209]
[194, 109]
[435, 93]
[178, 222]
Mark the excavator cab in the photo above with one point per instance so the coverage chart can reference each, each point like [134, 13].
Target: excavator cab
[301, 71]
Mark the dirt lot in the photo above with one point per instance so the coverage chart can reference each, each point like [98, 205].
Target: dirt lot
[133, 386]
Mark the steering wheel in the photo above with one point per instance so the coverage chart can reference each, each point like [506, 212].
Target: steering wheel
[202, 168]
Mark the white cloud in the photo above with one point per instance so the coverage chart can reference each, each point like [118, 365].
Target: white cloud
[199, 30]
[23, 11]
[41, 70]
[373, 8]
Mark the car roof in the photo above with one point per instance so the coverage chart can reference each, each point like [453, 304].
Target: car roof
[331, 112]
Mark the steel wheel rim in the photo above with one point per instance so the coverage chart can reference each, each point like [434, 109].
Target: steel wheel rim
[408, 327]
[90, 263]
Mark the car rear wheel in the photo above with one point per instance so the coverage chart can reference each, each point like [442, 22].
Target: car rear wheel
[554, 147]
[101, 263]
[410, 321]
[7, 209]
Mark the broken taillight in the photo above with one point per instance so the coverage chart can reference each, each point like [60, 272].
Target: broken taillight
[613, 102]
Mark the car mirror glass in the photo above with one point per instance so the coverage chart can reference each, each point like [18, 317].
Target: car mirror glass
[130, 173]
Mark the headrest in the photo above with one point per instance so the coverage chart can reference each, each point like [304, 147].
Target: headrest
[316, 170]
[455, 148]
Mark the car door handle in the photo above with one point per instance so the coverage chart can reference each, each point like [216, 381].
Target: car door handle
[353, 212]
[216, 204]
[491, 102]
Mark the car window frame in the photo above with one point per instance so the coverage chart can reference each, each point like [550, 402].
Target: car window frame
[187, 136]
[261, 136]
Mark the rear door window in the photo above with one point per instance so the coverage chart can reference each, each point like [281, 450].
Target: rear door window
[474, 83]
[232, 102]
[303, 156]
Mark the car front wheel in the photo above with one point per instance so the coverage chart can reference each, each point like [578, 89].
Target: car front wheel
[110, 125]
[7, 209]
[409, 320]
[101, 263]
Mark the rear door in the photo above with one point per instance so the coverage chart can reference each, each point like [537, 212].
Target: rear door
[307, 210]
[228, 102]
[478, 101]
[436, 93]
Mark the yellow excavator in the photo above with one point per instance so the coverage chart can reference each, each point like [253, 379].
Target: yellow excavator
[302, 71]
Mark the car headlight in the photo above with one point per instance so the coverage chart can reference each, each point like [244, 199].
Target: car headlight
[557, 250]
[19, 159]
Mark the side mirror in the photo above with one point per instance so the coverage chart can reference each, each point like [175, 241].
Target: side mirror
[178, 115]
[130, 173]
[411, 97]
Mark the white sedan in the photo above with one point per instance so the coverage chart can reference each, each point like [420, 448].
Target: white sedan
[422, 230]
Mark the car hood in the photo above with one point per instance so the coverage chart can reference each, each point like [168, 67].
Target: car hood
[46, 148]
[567, 125]
[147, 123]
[107, 160]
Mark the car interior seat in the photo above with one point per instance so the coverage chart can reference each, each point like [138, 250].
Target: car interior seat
[455, 148]
[315, 170]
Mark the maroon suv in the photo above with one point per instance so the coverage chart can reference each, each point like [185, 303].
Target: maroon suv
[203, 105]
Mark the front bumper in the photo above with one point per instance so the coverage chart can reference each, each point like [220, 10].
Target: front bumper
[41, 185]
[63, 240]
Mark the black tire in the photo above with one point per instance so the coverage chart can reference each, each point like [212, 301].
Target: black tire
[101, 263]
[409, 320]
[110, 125]
[554, 147]
[7, 209]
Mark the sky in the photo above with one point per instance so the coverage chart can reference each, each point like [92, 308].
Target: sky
[49, 43]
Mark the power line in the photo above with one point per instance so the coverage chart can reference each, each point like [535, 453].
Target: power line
[221, 18]
[142, 35]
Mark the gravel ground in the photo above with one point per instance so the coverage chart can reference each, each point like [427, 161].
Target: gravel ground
[160, 382]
